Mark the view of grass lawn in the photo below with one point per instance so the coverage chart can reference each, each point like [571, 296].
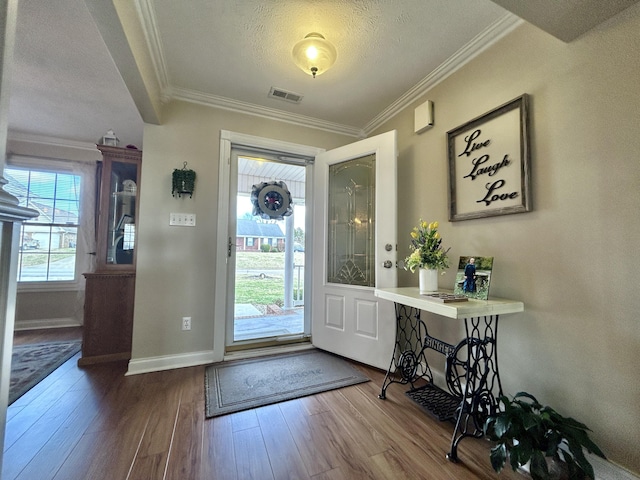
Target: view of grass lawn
[259, 291]
[34, 258]
[265, 289]
[265, 260]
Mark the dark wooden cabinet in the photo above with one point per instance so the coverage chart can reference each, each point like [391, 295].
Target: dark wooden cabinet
[108, 317]
[110, 290]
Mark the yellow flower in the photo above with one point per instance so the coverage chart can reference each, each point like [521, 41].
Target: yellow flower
[426, 248]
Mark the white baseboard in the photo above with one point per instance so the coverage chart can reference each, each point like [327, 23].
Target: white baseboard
[169, 362]
[47, 323]
[605, 470]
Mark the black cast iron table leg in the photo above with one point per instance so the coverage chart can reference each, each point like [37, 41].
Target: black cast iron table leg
[482, 379]
[408, 362]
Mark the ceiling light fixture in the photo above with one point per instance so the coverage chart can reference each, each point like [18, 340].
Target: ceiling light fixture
[313, 54]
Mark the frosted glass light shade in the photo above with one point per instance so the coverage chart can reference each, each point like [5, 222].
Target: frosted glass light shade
[314, 55]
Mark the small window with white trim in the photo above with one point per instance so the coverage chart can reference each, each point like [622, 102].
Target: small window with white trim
[48, 242]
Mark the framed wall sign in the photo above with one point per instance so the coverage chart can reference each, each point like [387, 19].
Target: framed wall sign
[489, 163]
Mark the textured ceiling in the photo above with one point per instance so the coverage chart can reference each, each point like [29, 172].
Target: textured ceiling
[229, 53]
[65, 85]
[384, 49]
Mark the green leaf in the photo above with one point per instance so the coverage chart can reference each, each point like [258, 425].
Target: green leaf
[554, 439]
[538, 467]
[501, 426]
[498, 457]
[580, 459]
[530, 421]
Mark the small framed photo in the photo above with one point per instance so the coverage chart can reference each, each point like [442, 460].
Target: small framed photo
[489, 163]
[473, 277]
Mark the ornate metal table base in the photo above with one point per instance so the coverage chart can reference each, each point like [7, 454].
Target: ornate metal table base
[471, 372]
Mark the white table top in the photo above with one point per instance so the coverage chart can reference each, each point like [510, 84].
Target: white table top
[411, 297]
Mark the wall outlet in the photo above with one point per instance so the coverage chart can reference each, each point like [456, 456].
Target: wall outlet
[186, 323]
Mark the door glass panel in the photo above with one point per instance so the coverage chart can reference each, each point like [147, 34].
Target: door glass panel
[269, 254]
[351, 217]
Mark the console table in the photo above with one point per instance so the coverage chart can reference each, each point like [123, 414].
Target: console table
[471, 367]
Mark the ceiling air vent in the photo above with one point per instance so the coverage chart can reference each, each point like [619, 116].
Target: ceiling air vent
[281, 94]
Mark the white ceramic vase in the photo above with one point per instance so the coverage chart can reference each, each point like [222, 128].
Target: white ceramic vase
[428, 280]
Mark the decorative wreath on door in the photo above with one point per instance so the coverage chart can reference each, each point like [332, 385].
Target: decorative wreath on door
[271, 200]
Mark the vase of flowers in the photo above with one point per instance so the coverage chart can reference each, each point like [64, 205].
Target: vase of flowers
[427, 255]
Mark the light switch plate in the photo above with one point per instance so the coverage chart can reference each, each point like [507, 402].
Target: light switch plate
[182, 219]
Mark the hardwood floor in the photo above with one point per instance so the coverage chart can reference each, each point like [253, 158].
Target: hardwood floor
[95, 423]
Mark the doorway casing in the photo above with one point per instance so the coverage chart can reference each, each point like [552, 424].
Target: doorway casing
[227, 141]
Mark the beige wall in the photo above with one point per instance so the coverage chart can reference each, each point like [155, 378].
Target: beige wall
[45, 309]
[176, 265]
[572, 259]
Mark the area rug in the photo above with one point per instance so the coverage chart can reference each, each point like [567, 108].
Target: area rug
[32, 362]
[239, 385]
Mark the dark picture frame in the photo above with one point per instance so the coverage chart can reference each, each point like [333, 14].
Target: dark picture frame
[489, 163]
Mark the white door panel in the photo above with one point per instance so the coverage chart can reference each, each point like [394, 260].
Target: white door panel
[354, 235]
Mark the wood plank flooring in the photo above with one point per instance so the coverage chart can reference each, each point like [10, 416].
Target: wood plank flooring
[95, 423]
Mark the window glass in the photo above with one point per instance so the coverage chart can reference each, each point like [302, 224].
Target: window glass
[47, 248]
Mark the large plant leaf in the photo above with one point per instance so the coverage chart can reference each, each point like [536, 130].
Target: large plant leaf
[498, 457]
[501, 426]
[538, 466]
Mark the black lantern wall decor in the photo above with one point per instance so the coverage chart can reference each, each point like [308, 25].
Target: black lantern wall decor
[183, 182]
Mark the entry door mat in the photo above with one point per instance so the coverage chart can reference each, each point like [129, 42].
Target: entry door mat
[31, 363]
[243, 384]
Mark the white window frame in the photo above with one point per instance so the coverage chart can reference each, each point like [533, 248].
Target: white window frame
[85, 220]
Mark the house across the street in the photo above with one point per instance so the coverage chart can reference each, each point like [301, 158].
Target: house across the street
[252, 234]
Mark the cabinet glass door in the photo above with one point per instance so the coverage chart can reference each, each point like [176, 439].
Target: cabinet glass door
[122, 213]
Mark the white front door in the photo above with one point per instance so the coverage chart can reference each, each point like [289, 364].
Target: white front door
[354, 249]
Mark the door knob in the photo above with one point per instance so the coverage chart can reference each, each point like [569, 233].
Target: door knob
[387, 264]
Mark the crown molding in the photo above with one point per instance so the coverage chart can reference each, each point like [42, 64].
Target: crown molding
[264, 112]
[149, 24]
[481, 42]
[477, 45]
[50, 141]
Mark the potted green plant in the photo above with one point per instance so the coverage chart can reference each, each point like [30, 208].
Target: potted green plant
[183, 181]
[526, 431]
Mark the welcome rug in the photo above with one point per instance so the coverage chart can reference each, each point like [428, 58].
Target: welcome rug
[239, 385]
[31, 363]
